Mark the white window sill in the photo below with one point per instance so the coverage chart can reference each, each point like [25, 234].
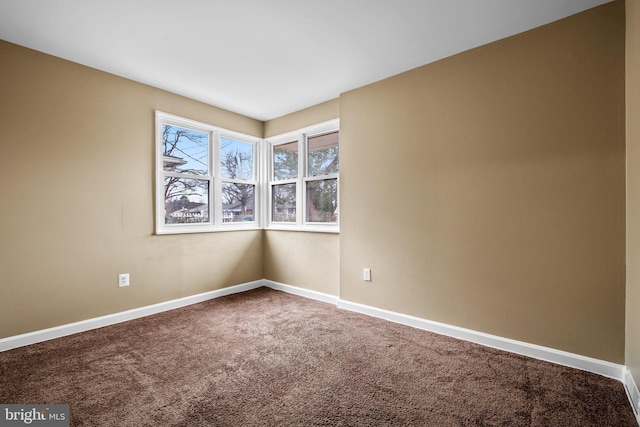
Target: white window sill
[305, 228]
[195, 230]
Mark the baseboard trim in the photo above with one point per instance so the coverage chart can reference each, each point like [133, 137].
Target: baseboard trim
[633, 393]
[607, 369]
[307, 293]
[111, 319]
[601, 367]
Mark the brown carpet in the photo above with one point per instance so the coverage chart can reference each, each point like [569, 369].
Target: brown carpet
[267, 358]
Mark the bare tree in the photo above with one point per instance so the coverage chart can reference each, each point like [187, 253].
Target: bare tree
[237, 165]
[174, 146]
[186, 152]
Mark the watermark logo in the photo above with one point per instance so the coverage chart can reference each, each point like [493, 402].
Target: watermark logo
[34, 415]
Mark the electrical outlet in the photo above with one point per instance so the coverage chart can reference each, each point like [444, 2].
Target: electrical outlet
[366, 274]
[123, 280]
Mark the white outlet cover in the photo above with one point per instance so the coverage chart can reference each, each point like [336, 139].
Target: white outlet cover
[123, 280]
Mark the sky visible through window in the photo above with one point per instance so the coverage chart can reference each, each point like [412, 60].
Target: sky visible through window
[185, 150]
[236, 159]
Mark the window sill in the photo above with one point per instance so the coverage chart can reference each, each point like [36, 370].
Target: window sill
[331, 229]
[197, 230]
[194, 230]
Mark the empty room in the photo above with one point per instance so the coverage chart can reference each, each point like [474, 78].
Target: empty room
[356, 213]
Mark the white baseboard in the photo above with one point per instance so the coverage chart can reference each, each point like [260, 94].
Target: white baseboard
[607, 369]
[111, 319]
[319, 296]
[633, 393]
[601, 367]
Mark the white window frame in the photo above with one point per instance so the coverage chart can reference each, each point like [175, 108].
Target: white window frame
[215, 222]
[301, 136]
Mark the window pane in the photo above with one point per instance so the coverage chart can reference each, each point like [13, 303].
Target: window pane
[322, 201]
[283, 203]
[237, 202]
[186, 200]
[285, 161]
[323, 154]
[236, 159]
[185, 150]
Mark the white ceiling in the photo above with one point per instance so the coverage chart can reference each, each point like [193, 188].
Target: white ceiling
[267, 58]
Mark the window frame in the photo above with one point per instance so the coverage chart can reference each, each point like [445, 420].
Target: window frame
[214, 177]
[302, 137]
[272, 182]
[255, 180]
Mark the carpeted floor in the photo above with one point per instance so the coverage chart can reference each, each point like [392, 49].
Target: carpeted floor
[267, 358]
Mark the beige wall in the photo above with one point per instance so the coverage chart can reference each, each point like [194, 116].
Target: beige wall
[487, 190]
[309, 116]
[76, 185]
[303, 259]
[632, 357]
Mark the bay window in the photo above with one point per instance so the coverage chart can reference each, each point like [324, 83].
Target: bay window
[214, 179]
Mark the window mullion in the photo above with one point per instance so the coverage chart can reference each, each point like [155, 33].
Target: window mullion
[262, 179]
[217, 182]
[302, 172]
